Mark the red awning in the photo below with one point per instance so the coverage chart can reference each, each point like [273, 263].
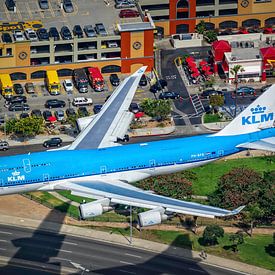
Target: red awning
[196, 74]
[52, 119]
[268, 53]
[139, 114]
[268, 30]
[208, 73]
[206, 68]
[243, 31]
[203, 63]
[194, 70]
[189, 58]
[192, 64]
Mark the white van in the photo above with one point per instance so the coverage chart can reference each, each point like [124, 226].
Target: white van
[82, 101]
[112, 44]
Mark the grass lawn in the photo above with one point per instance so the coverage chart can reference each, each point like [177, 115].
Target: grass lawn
[208, 175]
[68, 195]
[209, 118]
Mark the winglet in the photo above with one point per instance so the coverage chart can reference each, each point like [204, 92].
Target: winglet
[140, 71]
[237, 210]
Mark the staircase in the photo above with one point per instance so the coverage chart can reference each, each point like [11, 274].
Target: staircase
[195, 99]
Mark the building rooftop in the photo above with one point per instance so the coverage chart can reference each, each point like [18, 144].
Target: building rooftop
[238, 54]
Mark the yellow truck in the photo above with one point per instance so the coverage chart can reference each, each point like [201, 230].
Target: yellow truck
[6, 86]
[53, 83]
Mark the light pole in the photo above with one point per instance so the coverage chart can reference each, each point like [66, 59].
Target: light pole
[131, 226]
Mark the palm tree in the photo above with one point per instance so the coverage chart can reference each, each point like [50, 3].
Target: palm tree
[235, 70]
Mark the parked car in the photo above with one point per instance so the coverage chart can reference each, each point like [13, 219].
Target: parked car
[124, 4]
[169, 95]
[264, 88]
[4, 145]
[207, 93]
[18, 35]
[77, 31]
[143, 80]
[18, 88]
[66, 33]
[17, 99]
[128, 13]
[114, 79]
[134, 108]
[97, 108]
[43, 4]
[82, 101]
[158, 86]
[59, 114]
[55, 103]
[100, 29]
[24, 115]
[70, 112]
[68, 85]
[19, 107]
[10, 4]
[245, 90]
[53, 142]
[53, 33]
[6, 38]
[47, 114]
[82, 111]
[31, 35]
[89, 31]
[43, 34]
[112, 44]
[29, 88]
[68, 6]
[36, 113]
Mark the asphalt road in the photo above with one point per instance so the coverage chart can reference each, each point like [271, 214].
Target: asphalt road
[61, 250]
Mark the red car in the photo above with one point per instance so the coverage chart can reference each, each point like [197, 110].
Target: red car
[128, 13]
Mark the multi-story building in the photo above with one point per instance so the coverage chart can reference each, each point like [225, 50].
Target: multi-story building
[181, 16]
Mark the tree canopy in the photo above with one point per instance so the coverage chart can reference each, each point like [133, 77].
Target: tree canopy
[211, 234]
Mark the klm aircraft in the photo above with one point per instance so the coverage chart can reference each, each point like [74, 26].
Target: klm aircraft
[98, 167]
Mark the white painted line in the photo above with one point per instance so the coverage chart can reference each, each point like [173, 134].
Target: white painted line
[70, 243]
[3, 249]
[63, 250]
[196, 270]
[225, 268]
[61, 259]
[132, 255]
[3, 241]
[126, 263]
[125, 271]
[4, 232]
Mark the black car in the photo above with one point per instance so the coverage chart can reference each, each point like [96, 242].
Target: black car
[66, 33]
[24, 115]
[264, 88]
[17, 99]
[97, 108]
[70, 112]
[207, 93]
[134, 108]
[19, 107]
[6, 38]
[47, 114]
[55, 103]
[143, 81]
[36, 113]
[77, 31]
[53, 33]
[82, 111]
[18, 88]
[114, 79]
[53, 142]
[10, 5]
[169, 95]
[42, 34]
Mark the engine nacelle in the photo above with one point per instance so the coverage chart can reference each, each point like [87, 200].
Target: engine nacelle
[95, 208]
[152, 217]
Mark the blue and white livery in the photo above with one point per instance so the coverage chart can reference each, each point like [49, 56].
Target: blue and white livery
[93, 166]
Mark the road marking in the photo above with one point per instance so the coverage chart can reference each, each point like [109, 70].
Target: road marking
[70, 243]
[196, 270]
[7, 14]
[126, 263]
[3, 249]
[63, 250]
[4, 232]
[61, 259]
[125, 271]
[3, 241]
[132, 255]
[29, 10]
[51, 10]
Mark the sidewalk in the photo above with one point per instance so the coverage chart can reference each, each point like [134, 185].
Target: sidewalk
[138, 243]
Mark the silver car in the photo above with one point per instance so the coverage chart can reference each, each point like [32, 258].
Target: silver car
[68, 6]
[59, 114]
[43, 4]
[4, 145]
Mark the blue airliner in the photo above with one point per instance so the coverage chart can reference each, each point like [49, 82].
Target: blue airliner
[95, 165]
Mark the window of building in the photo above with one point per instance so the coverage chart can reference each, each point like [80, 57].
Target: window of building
[182, 4]
[182, 15]
[205, 2]
[38, 74]
[251, 23]
[65, 72]
[270, 21]
[160, 17]
[9, 51]
[111, 69]
[228, 2]
[209, 26]
[155, 7]
[182, 28]
[205, 13]
[1, 52]
[228, 25]
[18, 76]
[228, 11]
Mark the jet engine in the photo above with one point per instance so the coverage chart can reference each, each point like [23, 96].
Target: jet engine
[95, 208]
[152, 217]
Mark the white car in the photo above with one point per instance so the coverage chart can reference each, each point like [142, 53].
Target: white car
[59, 114]
[18, 35]
[68, 85]
[82, 101]
[31, 35]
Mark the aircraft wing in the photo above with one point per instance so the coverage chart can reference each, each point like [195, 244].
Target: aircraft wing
[267, 144]
[114, 118]
[123, 193]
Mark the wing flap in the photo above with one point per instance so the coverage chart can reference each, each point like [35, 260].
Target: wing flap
[123, 193]
[267, 144]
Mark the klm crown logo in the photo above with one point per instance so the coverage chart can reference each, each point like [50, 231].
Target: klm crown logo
[16, 176]
[15, 173]
[258, 115]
